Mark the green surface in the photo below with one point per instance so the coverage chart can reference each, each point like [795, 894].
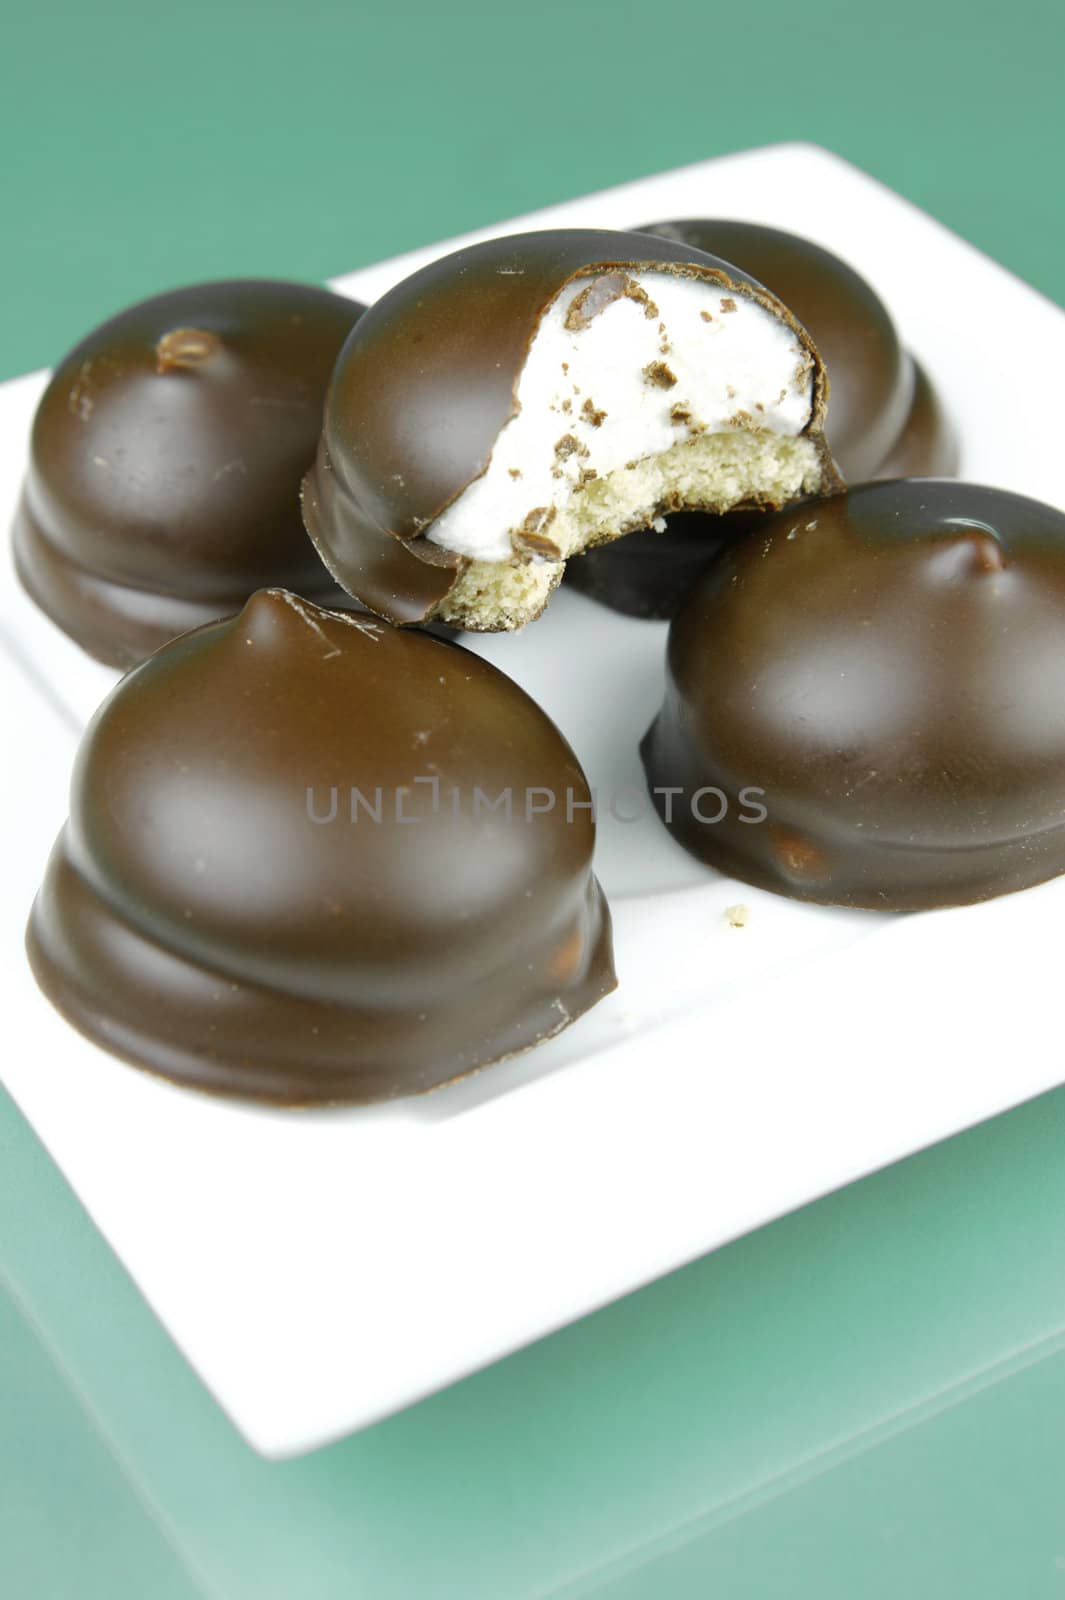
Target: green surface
[866, 1399]
[148, 145]
[872, 1386]
[867, 1529]
[70, 1518]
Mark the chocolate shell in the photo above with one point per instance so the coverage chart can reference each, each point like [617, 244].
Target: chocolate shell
[884, 419]
[166, 459]
[428, 381]
[292, 871]
[872, 688]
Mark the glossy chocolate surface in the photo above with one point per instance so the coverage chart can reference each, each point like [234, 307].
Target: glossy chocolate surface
[927, 445]
[221, 908]
[166, 459]
[884, 419]
[425, 384]
[888, 666]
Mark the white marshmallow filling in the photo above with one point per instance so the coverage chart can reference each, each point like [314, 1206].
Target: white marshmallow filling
[639, 391]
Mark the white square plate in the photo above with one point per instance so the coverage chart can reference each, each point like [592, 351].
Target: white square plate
[322, 1270]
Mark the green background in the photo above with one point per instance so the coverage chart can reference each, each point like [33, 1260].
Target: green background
[148, 145]
[866, 1399]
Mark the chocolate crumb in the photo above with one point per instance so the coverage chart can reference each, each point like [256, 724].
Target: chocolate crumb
[585, 475]
[531, 538]
[591, 415]
[680, 414]
[728, 304]
[658, 374]
[568, 446]
[602, 292]
[539, 519]
[536, 544]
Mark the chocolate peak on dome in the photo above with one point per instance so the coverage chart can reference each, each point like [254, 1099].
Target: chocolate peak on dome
[186, 347]
[887, 669]
[312, 858]
[166, 459]
[527, 397]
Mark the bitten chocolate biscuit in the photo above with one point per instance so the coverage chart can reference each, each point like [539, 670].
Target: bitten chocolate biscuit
[529, 397]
